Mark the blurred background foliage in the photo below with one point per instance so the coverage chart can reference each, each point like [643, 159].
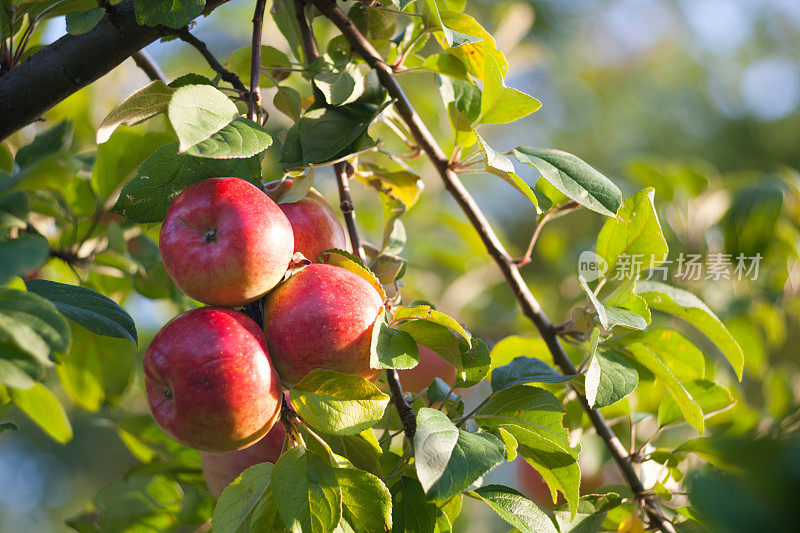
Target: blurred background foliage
[698, 98]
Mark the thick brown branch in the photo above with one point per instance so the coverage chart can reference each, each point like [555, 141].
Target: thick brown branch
[188, 37]
[527, 302]
[254, 101]
[148, 65]
[69, 64]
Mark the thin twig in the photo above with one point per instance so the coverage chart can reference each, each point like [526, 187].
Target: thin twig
[342, 170]
[551, 214]
[529, 305]
[188, 37]
[347, 208]
[149, 66]
[254, 98]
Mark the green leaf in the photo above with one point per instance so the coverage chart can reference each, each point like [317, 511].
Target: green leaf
[117, 161]
[690, 308]
[496, 160]
[22, 256]
[447, 65]
[453, 38]
[472, 55]
[197, 112]
[346, 260]
[340, 86]
[428, 314]
[287, 101]
[46, 143]
[265, 516]
[615, 316]
[684, 359]
[366, 502]
[362, 450]
[37, 314]
[138, 503]
[500, 104]
[97, 370]
[306, 491]
[163, 176]
[691, 411]
[623, 306]
[526, 370]
[448, 512]
[711, 398]
[14, 376]
[43, 408]
[6, 159]
[533, 416]
[14, 209]
[240, 61]
[440, 339]
[79, 22]
[240, 498]
[609, 378]
[97, 313]
[447, 459]
[635, 234]
[241, 138]
[174, 14]
[392, 348]
[411, 513]
[475, 363]
[514, 508]
[573, 178]
[592, 510]
[145, 103]
[338, 404]
[325, 134]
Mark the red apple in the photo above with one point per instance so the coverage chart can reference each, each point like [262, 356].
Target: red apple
[220, 469]
[430, 366]
[314, 223]
[321, 317]
[224, 242]
[209, 380]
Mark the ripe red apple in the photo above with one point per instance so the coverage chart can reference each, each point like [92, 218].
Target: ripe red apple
[209, 380]
[220, 469]
[314, 223]
[430, 366]
[321, 317]
[224, 242]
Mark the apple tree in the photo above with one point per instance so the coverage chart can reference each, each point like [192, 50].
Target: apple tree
[364, 98]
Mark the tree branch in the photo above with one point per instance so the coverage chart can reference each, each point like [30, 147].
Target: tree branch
[347, 207]
[149, 66]
[188, 37]
[527, 302]
[254, 101]
[69, 64]
[311, 52]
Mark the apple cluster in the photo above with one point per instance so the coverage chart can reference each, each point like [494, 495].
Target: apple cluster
[213, 377]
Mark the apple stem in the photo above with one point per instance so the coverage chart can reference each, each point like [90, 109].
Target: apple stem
[289, 419]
